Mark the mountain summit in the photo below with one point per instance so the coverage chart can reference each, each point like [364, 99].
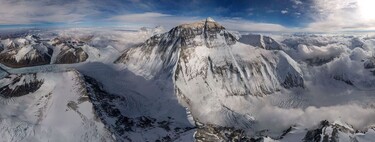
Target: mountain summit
[211, 70]
[209, 19]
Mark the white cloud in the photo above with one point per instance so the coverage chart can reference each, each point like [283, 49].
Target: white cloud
[327, 15]
[153, 19]
[342, 15]
[280, 119]
[297, 2]
[246, 25]
[26, 12]
[319, 52]
[140, 17]
[169, 21]
[284, 11]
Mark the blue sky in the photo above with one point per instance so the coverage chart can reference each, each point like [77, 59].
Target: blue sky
[243, 15]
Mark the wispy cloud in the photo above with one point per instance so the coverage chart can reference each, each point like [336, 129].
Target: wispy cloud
[297, 2]
[247, 25]
[170, 21]
[26, 12]
[149, 17]
[323, 15]
[284, 11]
[153, 19]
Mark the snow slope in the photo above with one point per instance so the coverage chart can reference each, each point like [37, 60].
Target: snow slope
[56, 110]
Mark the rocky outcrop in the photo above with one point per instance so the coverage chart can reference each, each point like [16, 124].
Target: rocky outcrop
[69, 51]
[33, 54]
[24, 52]
[19, 85]
[212, 133]
[32, 51]
[108, 107]
[330, 132]
[71, 55]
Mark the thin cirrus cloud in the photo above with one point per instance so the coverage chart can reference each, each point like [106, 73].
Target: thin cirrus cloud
[327, 16]
[153, 19]
[171, 20]
[43, 11]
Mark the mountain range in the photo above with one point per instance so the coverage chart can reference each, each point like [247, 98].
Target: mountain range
[195, 82]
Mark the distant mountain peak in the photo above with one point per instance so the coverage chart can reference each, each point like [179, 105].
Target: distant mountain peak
[209, 19]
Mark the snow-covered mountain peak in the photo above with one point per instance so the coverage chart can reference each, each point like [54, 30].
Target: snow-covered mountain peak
[160, 52]
[208, 23]
[210, 69]
[32, 37]
[209, 19]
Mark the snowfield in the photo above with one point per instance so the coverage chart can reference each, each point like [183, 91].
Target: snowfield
[55, 112]
[196, 82]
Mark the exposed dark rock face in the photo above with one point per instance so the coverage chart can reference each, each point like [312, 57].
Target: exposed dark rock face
[321, 134]
[315, 135]
[34, 57]
[292, 81]
[20, 85]
[33, 51]
[344, 79]
[70, 51]
[70, 56]
[25, 52]
[1, 47]
[11, 62]
[211, 133]
[108, 109]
